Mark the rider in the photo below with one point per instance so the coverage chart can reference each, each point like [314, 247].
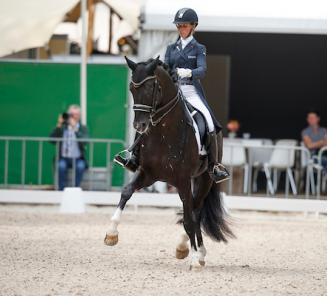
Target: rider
[188, 58]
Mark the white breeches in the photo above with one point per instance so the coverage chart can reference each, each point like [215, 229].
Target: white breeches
[191, 95]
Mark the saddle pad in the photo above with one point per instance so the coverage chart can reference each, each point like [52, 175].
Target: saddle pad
[199, 125]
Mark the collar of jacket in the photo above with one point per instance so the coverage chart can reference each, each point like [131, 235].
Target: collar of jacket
[179, 44]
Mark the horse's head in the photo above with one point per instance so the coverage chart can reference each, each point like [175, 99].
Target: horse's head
[145, 90]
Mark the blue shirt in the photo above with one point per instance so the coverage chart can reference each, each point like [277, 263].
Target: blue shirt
[69, 146]
[319, 135]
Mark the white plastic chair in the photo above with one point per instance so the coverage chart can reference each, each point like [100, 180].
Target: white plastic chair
[234, 156]
[282, 159]
[307, 162]
[257, 156]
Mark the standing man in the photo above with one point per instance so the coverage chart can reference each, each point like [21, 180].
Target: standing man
[314, 136]
[69, 128]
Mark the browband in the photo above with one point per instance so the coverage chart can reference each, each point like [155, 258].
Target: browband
[138, 84]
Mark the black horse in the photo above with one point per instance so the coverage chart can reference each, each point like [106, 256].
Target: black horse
[169, 153]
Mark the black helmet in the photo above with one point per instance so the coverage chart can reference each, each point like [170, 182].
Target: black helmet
[185, 16]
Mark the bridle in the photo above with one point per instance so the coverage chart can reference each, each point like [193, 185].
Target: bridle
[154, 112]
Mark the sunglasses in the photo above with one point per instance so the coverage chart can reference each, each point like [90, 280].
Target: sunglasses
[182, 25]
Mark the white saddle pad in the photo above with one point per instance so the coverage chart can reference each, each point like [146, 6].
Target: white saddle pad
[201, 148]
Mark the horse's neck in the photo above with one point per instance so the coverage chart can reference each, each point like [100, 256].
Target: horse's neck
[175, 122]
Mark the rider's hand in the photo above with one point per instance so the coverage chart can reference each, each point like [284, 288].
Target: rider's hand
[184, 73]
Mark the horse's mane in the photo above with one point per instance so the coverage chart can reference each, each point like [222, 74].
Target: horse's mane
[172, 73]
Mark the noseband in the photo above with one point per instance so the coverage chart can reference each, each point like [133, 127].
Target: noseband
[153, 109]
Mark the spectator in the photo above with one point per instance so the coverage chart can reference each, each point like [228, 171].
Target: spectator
[314, 136]
[69, 128]
[233, 127]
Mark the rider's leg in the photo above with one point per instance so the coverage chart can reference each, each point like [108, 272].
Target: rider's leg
[217, 171]
[131, 163]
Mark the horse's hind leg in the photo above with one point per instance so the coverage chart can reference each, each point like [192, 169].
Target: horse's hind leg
[139, 181]
[202, 186]
[189, 219]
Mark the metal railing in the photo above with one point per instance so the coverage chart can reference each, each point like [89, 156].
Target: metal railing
[7, 140]
[320, 171]
[24, 154]
[248, 166]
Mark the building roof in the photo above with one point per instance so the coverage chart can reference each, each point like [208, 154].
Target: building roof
[274, 16]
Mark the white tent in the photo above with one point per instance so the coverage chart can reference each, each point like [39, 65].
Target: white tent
[274, 16]
[27, 24]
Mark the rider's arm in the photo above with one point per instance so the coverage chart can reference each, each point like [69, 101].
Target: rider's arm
[200, 71]
[167, 56]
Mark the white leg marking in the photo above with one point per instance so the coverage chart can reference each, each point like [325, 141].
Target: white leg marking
[194, 259]
[115, 220]
[202, 253]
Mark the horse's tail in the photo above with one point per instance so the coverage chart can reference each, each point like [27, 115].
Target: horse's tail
[213, 217]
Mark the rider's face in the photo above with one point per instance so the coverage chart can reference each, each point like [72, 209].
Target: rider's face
[184, 30]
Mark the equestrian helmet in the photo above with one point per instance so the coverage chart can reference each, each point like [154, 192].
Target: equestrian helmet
[186, 16]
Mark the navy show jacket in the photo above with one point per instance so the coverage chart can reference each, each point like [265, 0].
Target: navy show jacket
[193, 57]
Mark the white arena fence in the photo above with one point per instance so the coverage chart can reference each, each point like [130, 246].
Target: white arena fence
[161, 200]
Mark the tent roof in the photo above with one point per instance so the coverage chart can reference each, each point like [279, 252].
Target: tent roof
[275, 16]
[28, 24]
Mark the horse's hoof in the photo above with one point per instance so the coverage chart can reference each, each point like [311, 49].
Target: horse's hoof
[202, 262]
[111, 239]
[196, 267]
[182, 253]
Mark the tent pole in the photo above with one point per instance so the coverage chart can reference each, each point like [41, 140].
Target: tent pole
[83, 71]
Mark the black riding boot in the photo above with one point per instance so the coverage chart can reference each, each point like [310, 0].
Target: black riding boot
[131, 163]
[217, 171]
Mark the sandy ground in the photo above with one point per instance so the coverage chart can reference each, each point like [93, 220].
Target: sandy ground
[46, 253]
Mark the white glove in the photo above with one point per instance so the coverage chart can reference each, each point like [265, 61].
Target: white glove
[184, 73]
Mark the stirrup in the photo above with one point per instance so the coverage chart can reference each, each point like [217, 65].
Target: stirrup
[219, 173]
[129, 164]
[119, 159]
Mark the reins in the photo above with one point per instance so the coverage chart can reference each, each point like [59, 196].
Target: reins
[154, 112]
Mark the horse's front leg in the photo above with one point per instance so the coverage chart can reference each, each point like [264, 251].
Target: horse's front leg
[139, 181]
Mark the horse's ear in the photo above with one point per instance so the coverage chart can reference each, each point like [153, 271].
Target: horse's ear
[130, 63]
[153, 65]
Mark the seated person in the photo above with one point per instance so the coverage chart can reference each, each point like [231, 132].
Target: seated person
[233, 127]
[69, 128]
[314, 136]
